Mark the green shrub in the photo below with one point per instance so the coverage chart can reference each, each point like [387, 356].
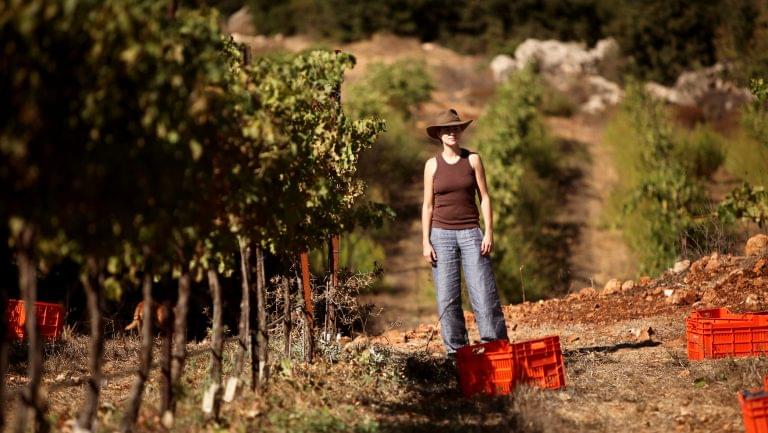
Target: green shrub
[391, 92]
[521, 166]
[750, 203]
[662, 200]
[700, 151]
[404, 84]
[557, 103]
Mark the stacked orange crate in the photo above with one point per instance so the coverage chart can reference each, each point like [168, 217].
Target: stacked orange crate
[487, 368]
[540, 362]
[754, 409]
[718, 333]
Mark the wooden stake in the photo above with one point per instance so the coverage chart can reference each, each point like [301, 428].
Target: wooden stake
[180, 334]
[244, 327]
[287, 323]
[217, 342]
[261, 307]
[145, 361]
[93, 293]
[333, 265]
[309, 308]
[31, 400]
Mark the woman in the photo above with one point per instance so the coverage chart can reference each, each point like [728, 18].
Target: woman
[452, 235]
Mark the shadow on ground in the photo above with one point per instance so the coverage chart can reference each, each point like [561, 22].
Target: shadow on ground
[435, 403]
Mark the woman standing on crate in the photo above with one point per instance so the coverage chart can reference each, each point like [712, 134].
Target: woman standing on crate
[452, 237]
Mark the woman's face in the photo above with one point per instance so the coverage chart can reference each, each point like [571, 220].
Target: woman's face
[450, 135]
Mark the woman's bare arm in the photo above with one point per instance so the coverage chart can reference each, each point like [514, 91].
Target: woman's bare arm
[485, 203]
[426, 210]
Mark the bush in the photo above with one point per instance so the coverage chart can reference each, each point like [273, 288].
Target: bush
[662, 202]
[700, 151]
[521, 163]
[391, 92]
[750, 203]
[557, 103]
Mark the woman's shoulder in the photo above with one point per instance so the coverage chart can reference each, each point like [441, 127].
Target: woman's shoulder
[468, 153]
[471, 155]
[431, 164]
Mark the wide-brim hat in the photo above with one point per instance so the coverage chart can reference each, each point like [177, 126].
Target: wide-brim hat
[446, 118]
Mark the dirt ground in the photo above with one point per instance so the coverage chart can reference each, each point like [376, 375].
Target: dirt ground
[618, 378]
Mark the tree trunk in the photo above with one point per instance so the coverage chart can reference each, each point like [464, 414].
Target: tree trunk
[145, 362]
[244, 328]
[179, 335]
[165, 365]
[31, 400]
[287, 323]
[261, 305]
[309, 309]
[217, 343]
[87, 418]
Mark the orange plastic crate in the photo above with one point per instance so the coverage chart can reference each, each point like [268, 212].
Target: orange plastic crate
[50, 319]
[718, 333]
[487, 368]
[754, 409]
[540, 362]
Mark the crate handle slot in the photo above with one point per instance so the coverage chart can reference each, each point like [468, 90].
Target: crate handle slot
[539, 345]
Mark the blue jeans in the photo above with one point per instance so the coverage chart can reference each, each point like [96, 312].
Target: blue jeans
[463, 246]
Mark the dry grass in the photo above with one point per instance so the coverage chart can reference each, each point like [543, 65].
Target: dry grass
[614, 384]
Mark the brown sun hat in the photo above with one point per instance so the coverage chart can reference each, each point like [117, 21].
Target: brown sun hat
[448, 117]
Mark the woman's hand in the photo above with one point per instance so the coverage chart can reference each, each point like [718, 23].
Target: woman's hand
[487, 246]
[429, 253]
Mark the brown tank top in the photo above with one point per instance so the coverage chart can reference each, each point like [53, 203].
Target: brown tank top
[454, 189]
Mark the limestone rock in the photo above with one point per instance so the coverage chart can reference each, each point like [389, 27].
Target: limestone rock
[752, 300]
[569, 67]
[645, 333]
[713, 264]
[705, 88]
[611, 287]
[241, 22]
[681, 266]
[685, 296]
[602, 94]
[501, 66]
[757, 246]
[627, 285]
[552, 56]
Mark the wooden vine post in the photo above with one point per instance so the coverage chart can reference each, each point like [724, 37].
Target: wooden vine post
[262, 336]
[309, 308]
[86, 421]
[244, 326]
[31, 400]
[145, 361]
[285, 286]
[212, 397]
[333, 265]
